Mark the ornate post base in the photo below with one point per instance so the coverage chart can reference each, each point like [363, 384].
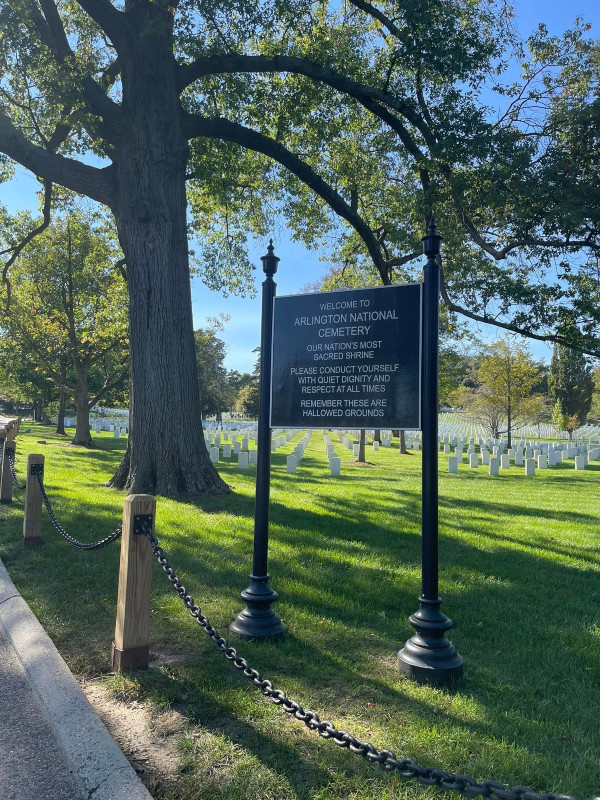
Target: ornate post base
[428, 657]
[258, 620]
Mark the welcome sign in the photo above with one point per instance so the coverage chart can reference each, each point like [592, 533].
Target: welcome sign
[348, 359]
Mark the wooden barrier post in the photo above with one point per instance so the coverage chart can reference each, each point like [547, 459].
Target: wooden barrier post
[6, 481]
[32, 521]
[130, 649]
[3, 437]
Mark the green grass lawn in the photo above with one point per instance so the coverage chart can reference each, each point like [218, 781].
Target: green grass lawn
[519, 574]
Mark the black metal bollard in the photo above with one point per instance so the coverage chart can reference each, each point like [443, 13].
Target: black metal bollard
[258, 620]
[428, 657]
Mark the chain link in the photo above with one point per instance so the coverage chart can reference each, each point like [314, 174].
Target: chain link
[13, 472]
[405, 768]
[68, 537]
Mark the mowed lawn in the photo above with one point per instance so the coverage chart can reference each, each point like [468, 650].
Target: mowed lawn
[519, 575]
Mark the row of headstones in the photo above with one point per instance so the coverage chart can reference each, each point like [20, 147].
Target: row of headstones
[246, 457]
[547, 455]
[335, 462]
[117, 430]
[293, 460]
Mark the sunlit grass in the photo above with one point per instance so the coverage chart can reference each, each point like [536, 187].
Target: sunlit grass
[519, 574]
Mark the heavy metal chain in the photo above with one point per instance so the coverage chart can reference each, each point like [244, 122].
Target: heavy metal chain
[62, 531]
[405, 768]
[13, 472]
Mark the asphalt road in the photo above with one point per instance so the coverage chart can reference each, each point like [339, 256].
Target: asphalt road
[32, 766]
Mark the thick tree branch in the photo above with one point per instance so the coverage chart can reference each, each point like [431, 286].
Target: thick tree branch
[50, 31]
[113, 22]
[387, 23]
[114, 384]
[234, 132]
[91, 181]
[229, 64]
[551, 337]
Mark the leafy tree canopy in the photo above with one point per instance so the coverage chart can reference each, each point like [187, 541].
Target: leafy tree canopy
[372, 114]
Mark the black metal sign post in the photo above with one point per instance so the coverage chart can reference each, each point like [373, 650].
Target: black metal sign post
[258, 620]
[428, 657]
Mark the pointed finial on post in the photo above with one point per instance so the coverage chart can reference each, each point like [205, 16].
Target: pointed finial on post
[270, 260]
[431, 242]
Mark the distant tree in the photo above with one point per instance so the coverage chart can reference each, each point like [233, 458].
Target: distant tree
[570, 383]
[595, 409]
[68, 312]
[504, 398]
[247, 401]
[23, 388]
[234, 382]
[210, 354]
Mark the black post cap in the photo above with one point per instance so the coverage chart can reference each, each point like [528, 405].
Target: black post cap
[431, 242]
[270, 260]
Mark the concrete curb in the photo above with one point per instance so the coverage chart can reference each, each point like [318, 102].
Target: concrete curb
[97, 762]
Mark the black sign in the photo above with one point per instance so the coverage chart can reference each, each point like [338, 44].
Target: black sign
[349, 359]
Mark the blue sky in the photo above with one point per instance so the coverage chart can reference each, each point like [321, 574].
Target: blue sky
[299, 267]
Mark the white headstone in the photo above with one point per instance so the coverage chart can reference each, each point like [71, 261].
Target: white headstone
[335, 466]
[485, 457]
[452, 464]
[494, 465]
[529, 466]
[252, 454]
[504, 461]
[243, 460]
[473, 460]
[375, 445]
[542, 462]
[214, 455]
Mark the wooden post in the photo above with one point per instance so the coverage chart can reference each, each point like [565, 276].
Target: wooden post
[130, 649]
[3, 437]
[6, 481]
[32, 521]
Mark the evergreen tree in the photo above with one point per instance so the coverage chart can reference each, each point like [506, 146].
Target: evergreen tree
[570, 384]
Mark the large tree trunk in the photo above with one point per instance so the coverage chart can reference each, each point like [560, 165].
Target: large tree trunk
[361, 447]
[60, 420]
[166, 451]
[403, 451]
[83, 435]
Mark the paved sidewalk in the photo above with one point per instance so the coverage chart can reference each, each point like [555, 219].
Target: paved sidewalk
[53, 746]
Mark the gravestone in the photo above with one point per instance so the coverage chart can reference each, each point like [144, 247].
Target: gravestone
[494, 465]
[529, 466]
[214, 455]
[335, 466]
[291, 464]
[243, 460]
[453, 464]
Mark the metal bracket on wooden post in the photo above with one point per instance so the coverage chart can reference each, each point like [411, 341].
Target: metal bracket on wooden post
[141, 523]
[130, 649]
[32, 520]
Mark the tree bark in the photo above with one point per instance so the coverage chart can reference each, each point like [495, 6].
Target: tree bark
[83, 434]
[361, 447]
[403, 451]
[60, 421]
[166, 452]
